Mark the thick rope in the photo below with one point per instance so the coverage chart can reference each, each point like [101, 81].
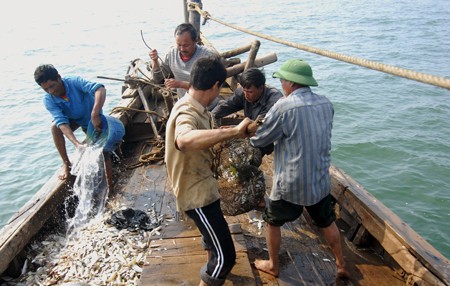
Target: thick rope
[406, 73]
[156, 154]
[123, 108]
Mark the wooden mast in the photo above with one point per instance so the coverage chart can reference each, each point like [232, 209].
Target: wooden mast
[186, 13]
[194, 16]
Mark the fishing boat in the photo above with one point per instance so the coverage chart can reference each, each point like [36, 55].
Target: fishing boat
[379, 248]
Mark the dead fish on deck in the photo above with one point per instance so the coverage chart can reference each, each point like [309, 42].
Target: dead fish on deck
[97, 254]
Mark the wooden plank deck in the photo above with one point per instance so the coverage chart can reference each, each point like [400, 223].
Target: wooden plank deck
[175, 256]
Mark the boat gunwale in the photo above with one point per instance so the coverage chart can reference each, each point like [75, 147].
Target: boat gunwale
[391, 231]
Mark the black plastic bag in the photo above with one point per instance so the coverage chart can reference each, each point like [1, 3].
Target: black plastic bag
[131, 220]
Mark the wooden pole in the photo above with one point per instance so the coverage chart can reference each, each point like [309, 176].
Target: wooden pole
[194, 16]
[149, 116]
[236, 51]
[185, 10]
[252, 55]
[259, 62]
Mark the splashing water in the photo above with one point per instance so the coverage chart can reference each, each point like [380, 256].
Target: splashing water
[90, 187]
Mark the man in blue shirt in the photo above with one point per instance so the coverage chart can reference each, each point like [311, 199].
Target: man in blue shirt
[300, 126]
[72, 102]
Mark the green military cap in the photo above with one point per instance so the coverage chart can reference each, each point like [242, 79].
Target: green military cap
[298, 71]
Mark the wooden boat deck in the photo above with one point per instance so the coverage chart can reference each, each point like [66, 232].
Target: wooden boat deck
[175, 255]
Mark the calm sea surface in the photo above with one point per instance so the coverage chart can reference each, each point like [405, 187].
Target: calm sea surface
[392, 135]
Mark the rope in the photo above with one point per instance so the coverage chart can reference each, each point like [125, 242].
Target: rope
[123, 108]
[156, 154]
[145, 43]
[406, 73]
[160, 87]
[146, 80]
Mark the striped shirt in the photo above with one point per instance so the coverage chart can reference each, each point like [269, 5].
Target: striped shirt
[180, 69]
[300, 126]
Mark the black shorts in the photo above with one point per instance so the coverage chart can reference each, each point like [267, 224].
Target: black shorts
[279, 212]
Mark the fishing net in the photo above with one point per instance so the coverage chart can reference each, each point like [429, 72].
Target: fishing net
[241, 182]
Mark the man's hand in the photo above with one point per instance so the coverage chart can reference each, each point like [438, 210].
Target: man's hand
[96, 122]
[253, 126]
[80, 146]
[153, 55]
[242, 128]
[172, 83]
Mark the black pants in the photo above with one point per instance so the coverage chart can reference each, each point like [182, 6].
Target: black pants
[217, 239]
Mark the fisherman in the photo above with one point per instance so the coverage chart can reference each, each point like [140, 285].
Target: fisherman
[72, 102]
[253, 96]
[300, 126]
[189, 138]
[179, 60]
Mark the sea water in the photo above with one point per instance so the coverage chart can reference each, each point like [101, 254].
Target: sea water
[90, 188]
[390, 134]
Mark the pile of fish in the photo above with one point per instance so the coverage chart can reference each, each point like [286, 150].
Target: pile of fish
[94, 254]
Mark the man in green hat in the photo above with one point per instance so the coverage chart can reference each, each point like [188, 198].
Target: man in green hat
[300, 128]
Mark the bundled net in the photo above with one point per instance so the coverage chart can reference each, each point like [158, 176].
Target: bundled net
[241, 182]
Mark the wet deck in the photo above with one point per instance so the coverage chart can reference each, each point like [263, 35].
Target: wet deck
[175, 256]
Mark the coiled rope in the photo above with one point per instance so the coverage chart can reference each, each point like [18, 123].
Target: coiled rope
[406, 73]
[156, 154]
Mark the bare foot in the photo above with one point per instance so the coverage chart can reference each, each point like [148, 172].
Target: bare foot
[66, 173]
[342, 273]
[266, 266]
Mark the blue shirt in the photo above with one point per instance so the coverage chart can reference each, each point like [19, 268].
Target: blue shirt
[78, 107]
[300, 127]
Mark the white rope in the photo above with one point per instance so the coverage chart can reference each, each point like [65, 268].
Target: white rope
[406, 73]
